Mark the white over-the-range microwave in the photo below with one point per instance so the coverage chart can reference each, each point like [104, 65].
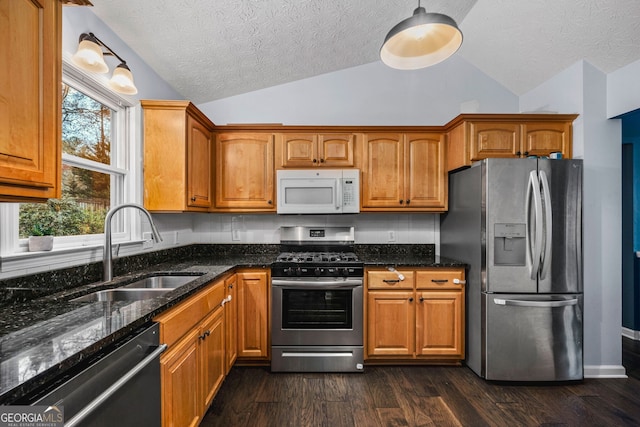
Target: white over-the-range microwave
[318, 191]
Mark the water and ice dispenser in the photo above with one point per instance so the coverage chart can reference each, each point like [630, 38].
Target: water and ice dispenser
[510, 244]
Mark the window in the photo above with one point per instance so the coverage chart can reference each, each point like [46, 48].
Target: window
[87, 172]
[97, 143]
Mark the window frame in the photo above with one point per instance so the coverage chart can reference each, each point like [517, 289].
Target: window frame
[74, 250]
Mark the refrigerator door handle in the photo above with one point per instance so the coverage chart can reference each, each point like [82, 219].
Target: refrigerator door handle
[534, 246]
[548, 226]
[540, 304]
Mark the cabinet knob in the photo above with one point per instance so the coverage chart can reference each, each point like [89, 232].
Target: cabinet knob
[270, 202]
[401, 201]
[193, 198]
[526, 153]
[321, 160]
[411, 299]
[518, 153]
[315, 161]
[421, 299]
[408, 201]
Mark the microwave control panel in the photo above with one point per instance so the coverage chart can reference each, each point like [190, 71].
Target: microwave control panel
[350, 191]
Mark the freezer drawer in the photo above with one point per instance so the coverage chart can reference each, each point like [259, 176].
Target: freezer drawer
[533, 337]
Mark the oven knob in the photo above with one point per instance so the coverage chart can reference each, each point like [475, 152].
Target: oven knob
[288, 271]
[317, 271]
[298, 271]
[345, 272]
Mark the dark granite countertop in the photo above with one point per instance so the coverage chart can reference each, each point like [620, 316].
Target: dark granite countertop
[44, 338]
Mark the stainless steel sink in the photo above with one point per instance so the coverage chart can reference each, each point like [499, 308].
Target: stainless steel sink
[122, 294]
[162, 282]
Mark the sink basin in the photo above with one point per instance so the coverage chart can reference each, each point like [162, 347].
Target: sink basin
[122, 294]
[162, 282]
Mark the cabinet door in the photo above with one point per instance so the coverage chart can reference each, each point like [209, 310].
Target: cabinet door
[213, 358]
[543, 138]
[244, 171]
[494, 139]
[390, 323]
[336, 150]
[439, 321]
[299, 150]
[425, 177]
[231, 321]
[30, 112]
[180, 384]
[383, 171]
[253, 314]
[198, 164]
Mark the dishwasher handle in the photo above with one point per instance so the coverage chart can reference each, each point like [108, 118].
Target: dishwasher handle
[95, 403]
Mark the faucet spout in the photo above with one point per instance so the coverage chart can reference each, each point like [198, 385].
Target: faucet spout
[107, 256]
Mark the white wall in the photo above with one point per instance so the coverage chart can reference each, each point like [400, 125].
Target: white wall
[623, 90]
[582, 89]
[371, 94]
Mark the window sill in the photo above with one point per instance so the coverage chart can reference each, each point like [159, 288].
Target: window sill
[27, 263]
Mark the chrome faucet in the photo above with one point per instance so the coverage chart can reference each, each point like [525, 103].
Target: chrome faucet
[107, 255]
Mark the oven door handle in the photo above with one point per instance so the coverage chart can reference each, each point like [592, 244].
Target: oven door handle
[310, 284]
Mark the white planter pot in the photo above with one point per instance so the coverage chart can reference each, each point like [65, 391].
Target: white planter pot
[40, 243]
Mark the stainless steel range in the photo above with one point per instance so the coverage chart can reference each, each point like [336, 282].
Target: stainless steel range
[316, 285]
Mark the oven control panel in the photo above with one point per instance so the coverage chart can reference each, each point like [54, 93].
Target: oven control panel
[317, 271]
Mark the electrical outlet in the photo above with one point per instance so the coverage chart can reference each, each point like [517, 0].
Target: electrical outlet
[235, 235]
[391, 236]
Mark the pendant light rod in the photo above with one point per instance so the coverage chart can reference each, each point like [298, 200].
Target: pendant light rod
[92, 37]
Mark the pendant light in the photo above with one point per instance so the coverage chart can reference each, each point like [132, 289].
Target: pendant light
[421, 40]
[90, 57]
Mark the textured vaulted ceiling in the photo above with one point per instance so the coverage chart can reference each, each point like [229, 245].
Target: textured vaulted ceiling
[212, 49]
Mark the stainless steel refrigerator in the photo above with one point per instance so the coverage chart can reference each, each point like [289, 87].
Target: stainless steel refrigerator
[517, 223]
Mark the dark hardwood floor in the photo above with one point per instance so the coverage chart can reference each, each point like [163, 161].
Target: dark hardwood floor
[422, 396]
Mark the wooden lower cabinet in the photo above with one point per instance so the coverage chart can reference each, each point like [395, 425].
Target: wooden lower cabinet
[418, 317]
[231, 321]
[253, 314]
[194, 366]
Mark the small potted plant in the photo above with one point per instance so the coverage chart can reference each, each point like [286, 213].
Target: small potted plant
[41, 238]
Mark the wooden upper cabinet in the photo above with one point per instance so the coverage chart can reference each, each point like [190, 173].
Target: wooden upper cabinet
[245, 172]
[177, 157]
[30, 100]
[541, 139]
[304, 150]
[475, 137]
[494, 139]
[404, 172]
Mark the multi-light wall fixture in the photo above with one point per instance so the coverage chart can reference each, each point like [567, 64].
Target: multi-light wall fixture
[90, 57]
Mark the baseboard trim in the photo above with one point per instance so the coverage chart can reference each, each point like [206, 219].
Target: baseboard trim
[630, 333]
[605, 371]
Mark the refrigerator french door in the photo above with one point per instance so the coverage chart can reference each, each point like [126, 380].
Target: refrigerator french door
[518, 224]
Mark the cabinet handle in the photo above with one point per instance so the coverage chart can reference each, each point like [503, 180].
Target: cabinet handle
[401, 201]
[439, 280]
[411, 299]
[391, 280]
[408, 201]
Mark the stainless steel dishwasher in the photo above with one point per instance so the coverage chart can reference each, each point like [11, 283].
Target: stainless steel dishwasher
[122, 388]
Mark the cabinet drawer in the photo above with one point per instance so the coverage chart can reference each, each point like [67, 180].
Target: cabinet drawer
[179, 320]
[439, 279]
[389, 280]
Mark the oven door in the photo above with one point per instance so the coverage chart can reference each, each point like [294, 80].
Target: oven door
[317, 311]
